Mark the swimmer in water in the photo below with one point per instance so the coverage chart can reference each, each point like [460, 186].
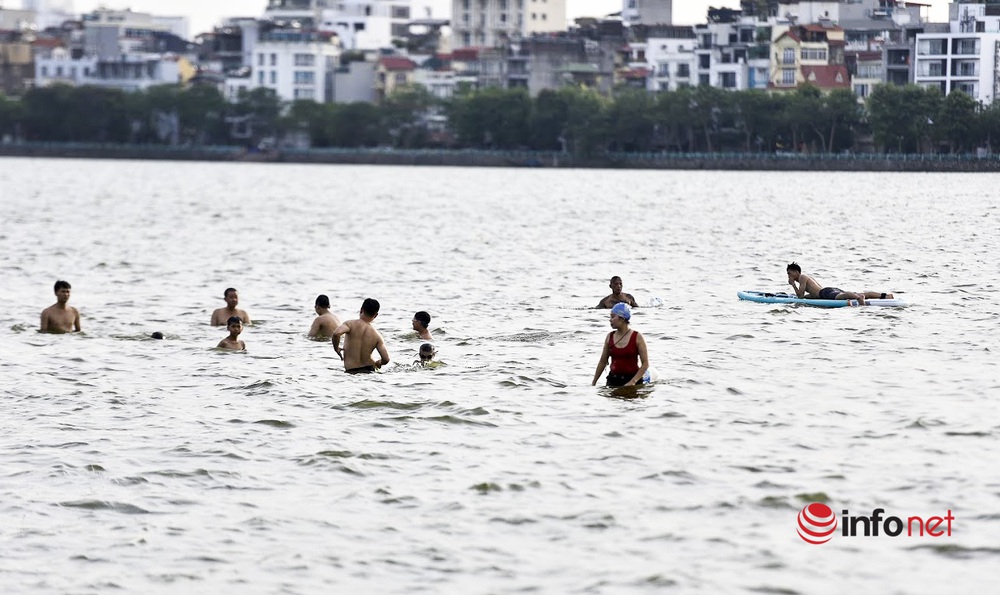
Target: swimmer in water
[422, 320]
[60, 317]
[222, 315]
[235, 326]
[362, 339]
[617, 295]
[326, 321]
[623, 346]
[427, 353]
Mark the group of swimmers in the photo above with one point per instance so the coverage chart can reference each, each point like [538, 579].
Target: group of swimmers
[360, 337]
[625, 348]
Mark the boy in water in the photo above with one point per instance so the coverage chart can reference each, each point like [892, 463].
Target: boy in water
[61, 317]
[427, 353]
[232, 342]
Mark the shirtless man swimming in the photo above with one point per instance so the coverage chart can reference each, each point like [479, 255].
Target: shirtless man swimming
[807, 287]
[362, 339]
[326, 321]
[422, 320]
[617, 295]
[221, 315]
[60, 317]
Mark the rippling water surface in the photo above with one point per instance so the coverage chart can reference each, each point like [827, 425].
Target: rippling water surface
[167, 466]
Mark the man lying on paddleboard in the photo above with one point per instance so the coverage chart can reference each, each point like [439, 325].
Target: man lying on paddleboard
[808, 287]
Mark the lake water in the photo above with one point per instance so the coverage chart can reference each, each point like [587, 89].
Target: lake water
[167, 466]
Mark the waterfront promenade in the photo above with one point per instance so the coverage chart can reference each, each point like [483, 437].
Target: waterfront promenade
[480, 158]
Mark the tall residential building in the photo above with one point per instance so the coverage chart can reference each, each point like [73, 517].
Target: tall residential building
[489, 23]
[965, 58]
[647, 12]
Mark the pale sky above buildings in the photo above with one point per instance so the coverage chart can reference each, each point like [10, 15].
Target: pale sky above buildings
[203, 14]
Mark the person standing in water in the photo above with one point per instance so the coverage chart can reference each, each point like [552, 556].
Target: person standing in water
[626, 349]
[617, 295]
[362, 339]
[326, 321]
[60, 317]
[233, 343]
[222, 315]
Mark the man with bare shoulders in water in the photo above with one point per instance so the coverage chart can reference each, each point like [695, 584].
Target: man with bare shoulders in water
[326, 321]
[221, 316]
[360, 341]
[61, 317]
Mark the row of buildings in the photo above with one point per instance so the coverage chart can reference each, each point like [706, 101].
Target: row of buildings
[363, 50]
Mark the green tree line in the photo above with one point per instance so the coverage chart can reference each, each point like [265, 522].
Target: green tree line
[897, 119]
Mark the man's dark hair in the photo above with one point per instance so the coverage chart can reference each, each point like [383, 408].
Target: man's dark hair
[322, 301]
[793, 267]
[370, 306]
[61, 285]
[234, 320]
[226, 292]
[423, 318]
[615, 278]
[157, 335]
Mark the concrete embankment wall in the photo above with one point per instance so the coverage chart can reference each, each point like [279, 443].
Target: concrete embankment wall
[714, 161]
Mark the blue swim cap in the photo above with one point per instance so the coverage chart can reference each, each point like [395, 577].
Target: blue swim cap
[621, 309]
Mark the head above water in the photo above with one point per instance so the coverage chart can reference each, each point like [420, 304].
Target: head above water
[622, 311]
[793, 268]
[157, 335]
[234, 320]
[423, 318]
[61, 285]
[427, 351]
[616, 284]
[370, 307]
[322, 301]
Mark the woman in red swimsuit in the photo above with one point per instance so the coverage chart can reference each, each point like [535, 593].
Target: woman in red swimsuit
[627, 350]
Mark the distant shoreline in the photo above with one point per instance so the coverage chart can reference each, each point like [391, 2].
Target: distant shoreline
[479, 158]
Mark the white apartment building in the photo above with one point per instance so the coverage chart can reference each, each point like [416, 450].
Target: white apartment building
[671, 63]
[127, 19]
[296, 65]
[487, 23]
[131, 72]
[966, 57]
[647, 12]
[360, 24]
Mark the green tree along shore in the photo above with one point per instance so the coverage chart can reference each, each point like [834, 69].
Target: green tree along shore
[578, 121]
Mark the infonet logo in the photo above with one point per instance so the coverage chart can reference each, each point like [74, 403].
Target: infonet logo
[817, 524]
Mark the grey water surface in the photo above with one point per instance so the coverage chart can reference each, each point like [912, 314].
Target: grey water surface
[148, 466]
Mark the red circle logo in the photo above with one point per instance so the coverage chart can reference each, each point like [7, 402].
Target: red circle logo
[817, 523]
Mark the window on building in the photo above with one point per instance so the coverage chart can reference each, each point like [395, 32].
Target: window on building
[305, 93]
[305, 60]
[814, 54]
[274, 77]
[305, 77]
[503, 17]
[260, 59]
[704, 61]
[400, 78]
[534, 17]
[503, 4]
[45, 71]
[861, 90]
[400, 12]
[545, 16]
[703, 80]
[683, 71]
[465, 4]
[274, 59]
[59, 71]
[465, 18]
[260, 78]
[727, 80]
[788, 56]
[788, 77]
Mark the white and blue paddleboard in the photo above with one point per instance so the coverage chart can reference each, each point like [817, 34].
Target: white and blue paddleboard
[787, 298]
